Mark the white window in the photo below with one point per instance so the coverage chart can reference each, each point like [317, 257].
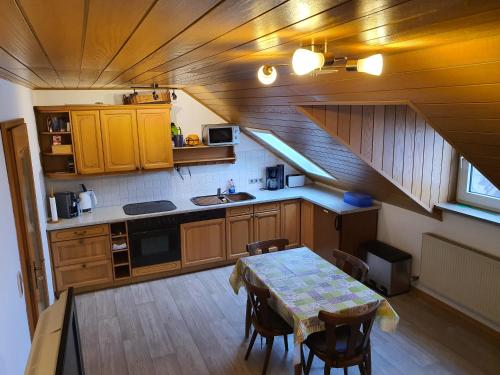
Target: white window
[475, 189]
[289, 154]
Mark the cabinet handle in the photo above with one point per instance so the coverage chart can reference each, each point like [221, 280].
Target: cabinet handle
[81, 233]
[84, 265]
[326, 211]
[338, 222]
[81, 242]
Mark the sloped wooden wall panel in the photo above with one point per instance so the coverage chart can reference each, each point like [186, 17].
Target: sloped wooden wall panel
[404, 149]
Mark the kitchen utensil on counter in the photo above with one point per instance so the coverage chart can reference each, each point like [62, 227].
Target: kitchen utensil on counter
[88, 199]
[67, 204]
[192, 140]
[53, 207]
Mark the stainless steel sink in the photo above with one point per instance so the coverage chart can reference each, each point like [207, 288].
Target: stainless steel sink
[211, 200]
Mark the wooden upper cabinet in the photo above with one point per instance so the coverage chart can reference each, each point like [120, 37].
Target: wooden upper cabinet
[120, 140]
[290, 222]
[155, 140]
[87, 140]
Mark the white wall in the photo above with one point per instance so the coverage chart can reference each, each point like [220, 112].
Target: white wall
[15, 102]
[403, 229]
[189, 114]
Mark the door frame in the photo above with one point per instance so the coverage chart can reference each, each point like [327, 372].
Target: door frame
[24, 255]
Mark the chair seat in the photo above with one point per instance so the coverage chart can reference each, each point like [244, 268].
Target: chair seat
[277, 325]
[317, 341]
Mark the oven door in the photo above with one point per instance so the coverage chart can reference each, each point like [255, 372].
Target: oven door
[221, 136]
[154, 247]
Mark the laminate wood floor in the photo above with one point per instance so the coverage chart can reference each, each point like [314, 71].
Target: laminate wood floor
[194, 324]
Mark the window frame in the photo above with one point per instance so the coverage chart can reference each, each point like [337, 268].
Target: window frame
[473, 199]
[329, 178]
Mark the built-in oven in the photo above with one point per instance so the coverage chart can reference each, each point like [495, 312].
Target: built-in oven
[157, 240]
[154, 240]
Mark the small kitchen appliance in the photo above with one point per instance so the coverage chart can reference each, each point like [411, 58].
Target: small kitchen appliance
[220, 134]
[295, 180]
[67, 204]
[274, 177]
[88, 200]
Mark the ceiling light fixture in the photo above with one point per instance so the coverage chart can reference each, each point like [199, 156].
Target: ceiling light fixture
[305, 61]
[267, 74]
[371, 65]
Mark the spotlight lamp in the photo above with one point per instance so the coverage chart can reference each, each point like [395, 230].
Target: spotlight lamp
[305, 61]
[267, 74]
[371, 65]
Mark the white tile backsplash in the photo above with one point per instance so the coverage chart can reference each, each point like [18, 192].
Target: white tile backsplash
[251, 162]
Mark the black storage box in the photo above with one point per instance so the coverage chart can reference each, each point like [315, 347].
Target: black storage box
[390, 268]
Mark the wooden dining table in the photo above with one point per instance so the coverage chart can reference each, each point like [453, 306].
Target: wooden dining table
[301, 284]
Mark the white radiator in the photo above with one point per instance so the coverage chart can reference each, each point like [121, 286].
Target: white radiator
[465, 277]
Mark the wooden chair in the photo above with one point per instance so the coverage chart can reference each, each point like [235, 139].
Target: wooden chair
[351, 265]
[344, 343]
[253, 249]
[264, 246]
[266, 321]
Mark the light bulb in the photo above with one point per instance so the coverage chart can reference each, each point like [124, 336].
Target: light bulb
[267, 74]
[371, 65]
[305, 61]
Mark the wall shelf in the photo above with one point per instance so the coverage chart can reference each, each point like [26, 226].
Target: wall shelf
[201, 155]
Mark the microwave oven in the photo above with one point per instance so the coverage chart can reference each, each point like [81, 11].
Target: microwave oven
[220, 134]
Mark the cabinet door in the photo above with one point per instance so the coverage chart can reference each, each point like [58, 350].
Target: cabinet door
[307, 224]
[290, 222]
[80, 250]
[239, 233]
[87, 141]
[155, 140]
[120, 140]
[355, 229]
[326, 233]
[267, 226]
[83, 274]
[203, 242]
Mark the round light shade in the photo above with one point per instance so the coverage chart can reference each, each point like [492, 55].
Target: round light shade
[267, 74]
[305, 61]
[372, 65]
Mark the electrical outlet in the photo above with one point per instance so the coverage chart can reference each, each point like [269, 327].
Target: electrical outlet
[261, 180]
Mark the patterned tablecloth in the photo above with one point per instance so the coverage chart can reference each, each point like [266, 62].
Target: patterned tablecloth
[302, 283]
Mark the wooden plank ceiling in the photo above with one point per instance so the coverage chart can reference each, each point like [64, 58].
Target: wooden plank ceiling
[441, 56]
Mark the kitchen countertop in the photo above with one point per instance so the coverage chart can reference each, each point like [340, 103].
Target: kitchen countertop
[329, 199]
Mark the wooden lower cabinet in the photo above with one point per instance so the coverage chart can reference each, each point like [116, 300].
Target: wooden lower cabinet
[239, 232]
[290, 222]
[307, 224]
[203, 242]
[80, 250]
[83, 274]
[267, 225]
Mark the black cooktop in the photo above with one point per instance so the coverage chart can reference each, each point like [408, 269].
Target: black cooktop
[148, 207]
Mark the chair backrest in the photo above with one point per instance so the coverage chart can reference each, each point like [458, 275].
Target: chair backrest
[351, 265]
[261, 312]
[264, 246]
[357, 327]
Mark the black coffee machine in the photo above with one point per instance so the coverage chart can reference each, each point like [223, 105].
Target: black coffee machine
[67, 204]
[275, 177]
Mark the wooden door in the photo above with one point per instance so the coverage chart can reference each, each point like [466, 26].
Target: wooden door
[307, 224]
[267, 226]
[87, 141]
[120, 140]
[239, 233]
[326, 232]
[155, 139]
[290, 222]
[22, 189]
[203, 242]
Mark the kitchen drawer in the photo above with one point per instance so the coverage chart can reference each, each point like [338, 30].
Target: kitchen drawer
[80, 232]
[264, 207]
[83, 274]
[81, 250]
[241, 210]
